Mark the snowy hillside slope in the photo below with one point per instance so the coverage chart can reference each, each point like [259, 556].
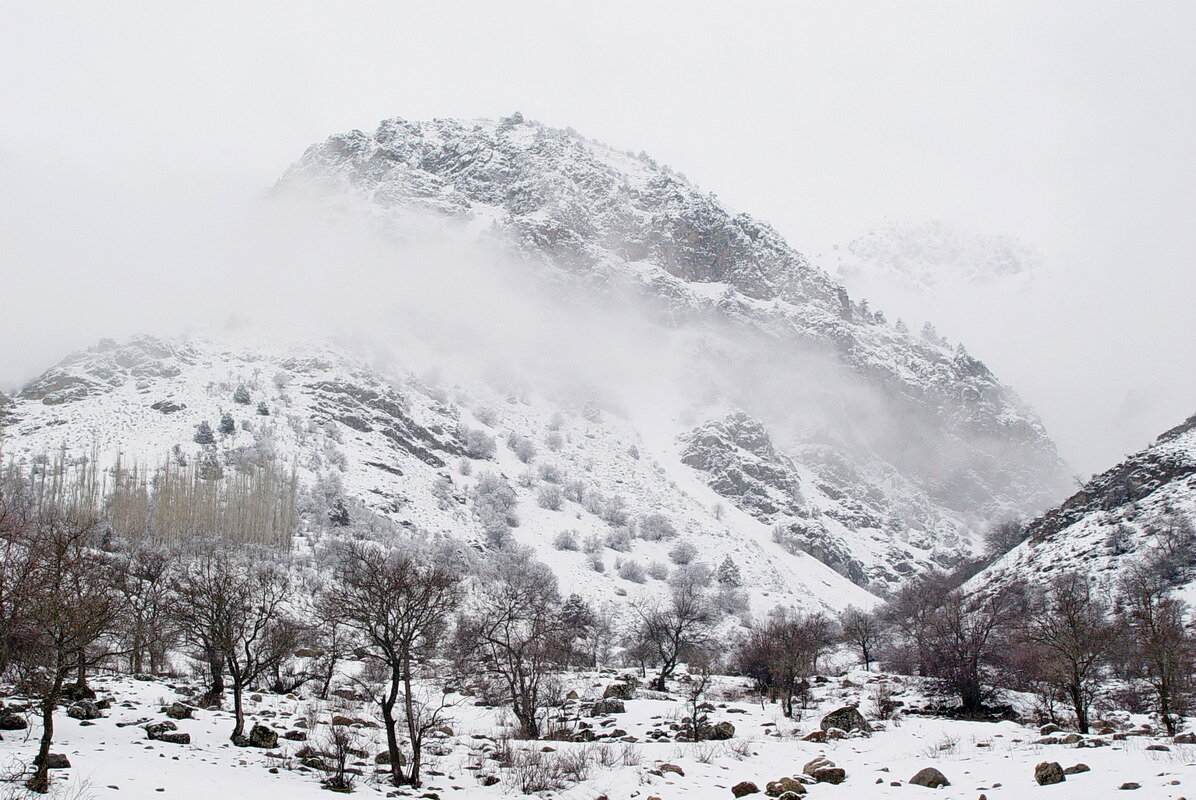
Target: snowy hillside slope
[582, 214]
[391, 444]
[1144, 504]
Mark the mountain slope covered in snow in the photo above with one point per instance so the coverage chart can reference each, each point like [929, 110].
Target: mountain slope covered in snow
[1143, 507]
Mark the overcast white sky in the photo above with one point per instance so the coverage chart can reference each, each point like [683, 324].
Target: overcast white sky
[1067, 124]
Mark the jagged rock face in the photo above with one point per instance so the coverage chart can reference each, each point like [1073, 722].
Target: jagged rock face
[603, 218]
[1145, 504]
[107, 366]
[873, 538]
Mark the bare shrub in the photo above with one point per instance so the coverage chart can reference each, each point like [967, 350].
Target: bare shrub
[566, 540]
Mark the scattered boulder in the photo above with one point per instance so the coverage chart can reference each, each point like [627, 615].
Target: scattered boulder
[623, 689]
[1048, 772]
[792, 795]
[1162, 748]
[783, 786]
[930, 777]
[744, 788]
[154, 730]
[263, 737]
[1048, 729]
[1184, 738]
[84, 709]
[847, 718]
[815, 736]
[1076, 769]
[383, 758]
[721, 731]
[295, 735]
[607, 705]
[1071, 738]
[57, 761]
[178, 711]
[341, 720]
[1129, 785]
[12, 722]
[174, 737]
[673, 768]
[823, 770]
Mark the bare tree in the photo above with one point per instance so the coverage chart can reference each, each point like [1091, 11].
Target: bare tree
[683, 626]
[910, 614]
[511, 637]
[969, 638]
[1161, 648]
[399, 603]
[1003, 536]
[780, 653]
[142, 577]
[71, 609]
[864, 631]
[1072, 627]
[229, 604]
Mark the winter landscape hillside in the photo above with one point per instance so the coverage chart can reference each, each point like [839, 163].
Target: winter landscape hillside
[626, 498]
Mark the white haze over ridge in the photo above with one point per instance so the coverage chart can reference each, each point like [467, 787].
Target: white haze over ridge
[138, 138]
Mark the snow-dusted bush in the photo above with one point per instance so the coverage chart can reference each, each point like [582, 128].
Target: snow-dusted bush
[241, 395]
[523, 447]
[575, 490]
[619, 539]
[554, 441]
[683, 553]
[494, 504]
[630, 570]
[552, 473]
[478, 443]
[656, 527]
[549, 497]
[597, 562]
[657, 571]
[465, 466]
[486, 415]
[566, 540]
[594, 544]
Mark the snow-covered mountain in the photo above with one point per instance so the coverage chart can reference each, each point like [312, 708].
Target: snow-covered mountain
[822, 449]
[1141, 507]
[935, 255]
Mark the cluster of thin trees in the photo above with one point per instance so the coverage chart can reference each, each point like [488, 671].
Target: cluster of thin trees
[1076, 643]
[396, 614]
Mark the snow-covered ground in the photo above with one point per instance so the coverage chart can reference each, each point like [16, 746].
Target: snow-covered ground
[113, 758]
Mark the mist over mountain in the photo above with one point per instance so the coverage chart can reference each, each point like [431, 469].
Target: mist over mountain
[512, 266]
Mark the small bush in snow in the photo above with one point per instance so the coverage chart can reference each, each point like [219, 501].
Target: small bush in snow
[657, 571]
[683, 553]
[619, 539]
[486, 415]
[478, 443]
[241, 395]
[552, 473]
[494, 504]
[524, 448]
[656, 527]
[554, 441]
[549, 497]
[631, 571]
[575, 491]
[566, 540]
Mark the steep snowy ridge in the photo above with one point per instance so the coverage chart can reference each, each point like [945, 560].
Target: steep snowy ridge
[584, 214]
[1147, 501]
[391, 444]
